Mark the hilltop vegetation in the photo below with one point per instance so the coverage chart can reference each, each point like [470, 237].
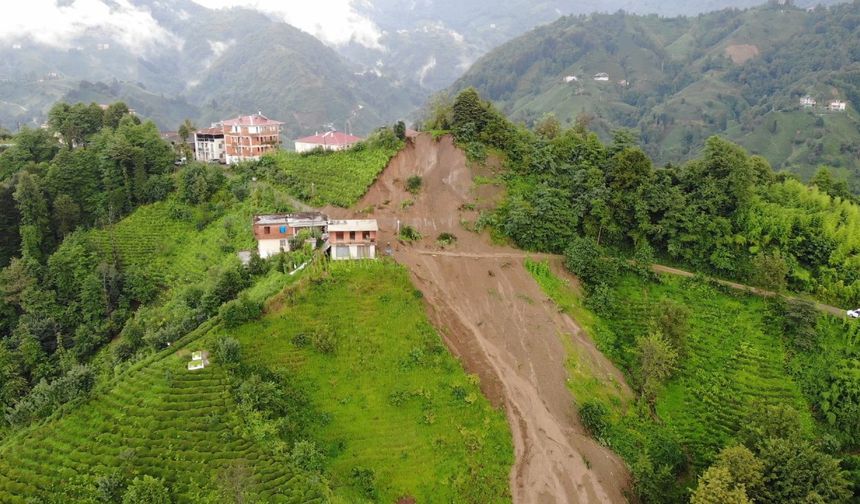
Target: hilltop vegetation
[704, 362]
[725, 213]
[677, 81]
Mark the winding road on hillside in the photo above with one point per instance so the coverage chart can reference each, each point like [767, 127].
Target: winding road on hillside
[657, 268]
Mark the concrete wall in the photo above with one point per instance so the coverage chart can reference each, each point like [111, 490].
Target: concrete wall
[307, 147]
[353, 252]
[269, 248]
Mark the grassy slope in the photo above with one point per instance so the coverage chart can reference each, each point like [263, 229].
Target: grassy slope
[398, 403]
[733, 360]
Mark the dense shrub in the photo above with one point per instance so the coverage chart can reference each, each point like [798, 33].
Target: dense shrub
[324, 340]
[228, 350]
[147, 490]
[413, 184]
[594, 415]
[46, 396]
[238, 311]
[364, 479]
[409, 234]
[590, 262]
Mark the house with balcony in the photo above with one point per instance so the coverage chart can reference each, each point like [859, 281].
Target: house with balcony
[209, 145]
[352, 239]
[247, 138]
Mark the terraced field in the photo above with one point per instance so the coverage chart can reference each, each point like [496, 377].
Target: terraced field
[162, 421]
[172, 249]
[332, 178]
[733, 362]
[396, 401]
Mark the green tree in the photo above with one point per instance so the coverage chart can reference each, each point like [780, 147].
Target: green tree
[716, 486]
[400, 130]
[35, 223]
[656, 362]
[673, 321]
[770, 271]
[67, 215]
[146, 490]
[548, 127]
[795, 471]
[114, 114]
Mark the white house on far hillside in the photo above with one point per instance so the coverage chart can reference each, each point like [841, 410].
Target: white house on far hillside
[837, 106]
[602, 77]
[808, 101]
[330, 140]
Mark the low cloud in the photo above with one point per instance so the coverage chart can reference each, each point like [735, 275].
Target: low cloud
[60, 23]
[335, 22]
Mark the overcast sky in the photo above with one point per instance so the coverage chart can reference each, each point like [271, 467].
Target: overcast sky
[59, 22]
[332, 21]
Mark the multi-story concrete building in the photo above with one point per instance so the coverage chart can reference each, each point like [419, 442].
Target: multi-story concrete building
[209, 145]
[247, 138]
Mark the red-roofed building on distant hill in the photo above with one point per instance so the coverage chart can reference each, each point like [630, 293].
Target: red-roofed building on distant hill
[330, 140]
[247, 138]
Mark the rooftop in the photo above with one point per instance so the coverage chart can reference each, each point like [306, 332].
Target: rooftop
[330, 138]
[353, 225]
[210, 131]
[257, 119]
[293, 220]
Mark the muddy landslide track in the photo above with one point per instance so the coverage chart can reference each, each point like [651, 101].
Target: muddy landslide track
[496, 319]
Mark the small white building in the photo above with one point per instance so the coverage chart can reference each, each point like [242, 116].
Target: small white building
[352, 239]
[274, 232]
[209, 145]
[602, 77]
[330, 141]
[571, 78]
[837, 106]
[808, 102]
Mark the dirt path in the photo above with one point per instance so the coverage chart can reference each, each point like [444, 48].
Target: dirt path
[494, 316]
[658, 268]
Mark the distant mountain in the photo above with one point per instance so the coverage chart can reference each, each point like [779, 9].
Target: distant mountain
[213, 64]
[430, 43]
[677, 81]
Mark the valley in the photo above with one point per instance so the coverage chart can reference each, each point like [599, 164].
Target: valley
[610, 259]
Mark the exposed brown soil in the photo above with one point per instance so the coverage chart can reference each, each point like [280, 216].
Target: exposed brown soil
[741, 53]
[496, 319]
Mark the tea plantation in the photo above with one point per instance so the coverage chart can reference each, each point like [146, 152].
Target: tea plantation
[162, 421]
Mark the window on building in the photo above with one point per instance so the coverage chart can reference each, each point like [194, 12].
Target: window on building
[339, 236]
[352, 236]
[267, 230]
[367, 236]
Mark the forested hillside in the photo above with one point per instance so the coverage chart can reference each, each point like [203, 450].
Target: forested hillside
[677, 81]
[738, 383]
